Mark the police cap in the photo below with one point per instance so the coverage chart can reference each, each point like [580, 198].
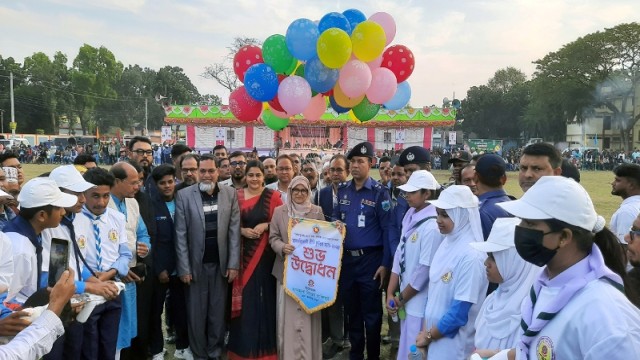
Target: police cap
[364, 149]
[414, 155]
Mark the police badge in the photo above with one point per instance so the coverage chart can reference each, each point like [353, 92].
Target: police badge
[410, 156]
[386, 205]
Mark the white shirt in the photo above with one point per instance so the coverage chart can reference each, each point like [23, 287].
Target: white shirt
[112, 235]
[597, 323]
[463, 279]
[36, 340]
[274, 186]
[623, 218]
[420, 247]
[25, 263]
[6, 260]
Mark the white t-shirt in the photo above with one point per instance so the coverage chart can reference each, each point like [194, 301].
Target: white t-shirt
[25, 263]
[597, 323]
[61, 232]
[6, 260]
[623, 218]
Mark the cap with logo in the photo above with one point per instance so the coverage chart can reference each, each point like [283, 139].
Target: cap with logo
[364, 149]
[421, 179]
[42, 192]
[68, 177]
[463, 156]
[414, 155]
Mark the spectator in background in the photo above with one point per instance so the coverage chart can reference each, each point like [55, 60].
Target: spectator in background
[238, 162]
[311, 173]
[8, 202]
[457, 163]
[86, 160]
[220, 151]
[189, 168]
[224, 170]
[177, 151]
[295, 158]
[570, 171]
[467, 175]
[11, 160]
[270, 174]
[140, 151]
[626, 184]
[384, 168]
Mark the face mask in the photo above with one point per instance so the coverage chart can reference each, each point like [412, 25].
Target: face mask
[529, 246]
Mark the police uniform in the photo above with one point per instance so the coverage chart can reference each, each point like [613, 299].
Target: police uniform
[414, 155]
[365, 213]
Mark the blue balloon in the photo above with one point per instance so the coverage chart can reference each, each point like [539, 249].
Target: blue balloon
[261, 82]
[355, 17]
[337, 108]
[301, 38]
[401, 98]
[320, 78]
[334, 20]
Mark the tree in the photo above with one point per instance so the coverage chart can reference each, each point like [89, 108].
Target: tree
[221, 72]
[93, 77]
[599, 69]
[495, 110]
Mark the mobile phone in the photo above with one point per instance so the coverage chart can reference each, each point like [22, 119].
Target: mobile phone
[58, 260]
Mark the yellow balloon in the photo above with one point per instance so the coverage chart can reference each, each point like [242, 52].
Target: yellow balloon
[368, 40]
[343, 100]
[334, 48]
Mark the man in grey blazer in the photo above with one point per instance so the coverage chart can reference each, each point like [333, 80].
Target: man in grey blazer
[207, 222]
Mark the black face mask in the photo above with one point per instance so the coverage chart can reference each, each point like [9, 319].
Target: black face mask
[529, 246]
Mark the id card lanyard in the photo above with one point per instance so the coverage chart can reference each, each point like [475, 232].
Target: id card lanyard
[361, 216]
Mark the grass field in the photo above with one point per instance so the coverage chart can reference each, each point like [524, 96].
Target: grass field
[597, 184]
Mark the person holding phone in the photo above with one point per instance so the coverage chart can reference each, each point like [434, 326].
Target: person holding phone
[70, 181]
[8, 203]
[42, 207]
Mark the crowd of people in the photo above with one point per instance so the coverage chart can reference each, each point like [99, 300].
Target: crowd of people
[463, 269]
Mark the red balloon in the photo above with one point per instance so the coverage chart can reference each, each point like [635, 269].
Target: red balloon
[399, 59]
[243, 106]
[245, 57]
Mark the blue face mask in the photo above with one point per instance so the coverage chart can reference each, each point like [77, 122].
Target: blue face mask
[529, 246]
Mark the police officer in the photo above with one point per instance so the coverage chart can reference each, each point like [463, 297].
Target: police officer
[363, 206]
[415, 158]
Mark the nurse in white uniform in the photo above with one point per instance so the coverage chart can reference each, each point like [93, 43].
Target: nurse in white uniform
[457, 281]
[577, 308]
[498, 323]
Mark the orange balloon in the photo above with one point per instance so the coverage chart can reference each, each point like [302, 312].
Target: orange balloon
[343, 100]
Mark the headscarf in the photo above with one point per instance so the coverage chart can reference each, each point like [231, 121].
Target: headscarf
[462, 208]
[501, 309]
[298, 210]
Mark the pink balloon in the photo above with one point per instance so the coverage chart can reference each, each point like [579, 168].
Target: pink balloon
[355, 78]
[374, 64]
[383, 86]
[317, 107]
[294, 94]
[388, 24]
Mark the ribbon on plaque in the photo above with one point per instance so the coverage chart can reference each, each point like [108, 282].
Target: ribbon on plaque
[312, 270]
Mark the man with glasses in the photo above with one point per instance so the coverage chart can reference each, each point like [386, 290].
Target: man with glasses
[311, 173]
[11, 160]
[141, 152]
[286, 172]
[334, 315]
[189, 168]
[296, 163]
[238, 163]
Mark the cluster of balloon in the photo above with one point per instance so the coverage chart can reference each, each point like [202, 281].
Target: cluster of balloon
[343, 60]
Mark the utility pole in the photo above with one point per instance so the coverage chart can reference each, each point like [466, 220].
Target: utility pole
[13, 115]
[146, 115]
[1, 121]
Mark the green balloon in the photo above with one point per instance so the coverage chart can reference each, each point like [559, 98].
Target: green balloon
[300, 70]
[365, 110]
[272, 121]
[292, 67]
[276, 54]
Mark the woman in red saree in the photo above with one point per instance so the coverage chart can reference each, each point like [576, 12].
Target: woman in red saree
[252, 329]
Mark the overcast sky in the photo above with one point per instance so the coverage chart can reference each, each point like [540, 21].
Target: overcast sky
[457, 44]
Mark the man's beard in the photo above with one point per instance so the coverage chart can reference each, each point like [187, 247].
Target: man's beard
[206, 186]
[189, 181]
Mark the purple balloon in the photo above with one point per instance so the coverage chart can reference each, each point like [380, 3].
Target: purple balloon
[294, 94]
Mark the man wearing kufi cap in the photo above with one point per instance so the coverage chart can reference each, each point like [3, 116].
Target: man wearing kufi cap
[363, 206]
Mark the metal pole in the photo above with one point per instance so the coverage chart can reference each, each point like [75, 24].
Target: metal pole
[13, 115]
[1, 121]
[146, 113]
